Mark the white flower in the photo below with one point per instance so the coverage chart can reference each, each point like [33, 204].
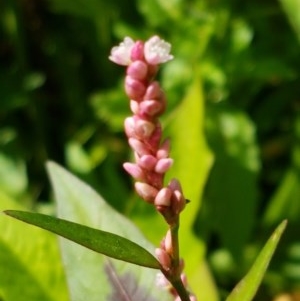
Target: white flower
[121, 54]
[157, 51]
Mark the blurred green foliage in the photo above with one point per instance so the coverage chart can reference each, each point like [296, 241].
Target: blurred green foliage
[61, 99]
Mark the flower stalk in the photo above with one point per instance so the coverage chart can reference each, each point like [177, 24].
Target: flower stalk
[151, 152]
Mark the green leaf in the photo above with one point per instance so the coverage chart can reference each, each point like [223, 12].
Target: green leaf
[89, 273]
[106, 243]
[30, 263]
[247, 287]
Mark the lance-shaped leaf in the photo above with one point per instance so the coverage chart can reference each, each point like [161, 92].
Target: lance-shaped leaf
[103, 242]
[247, 287]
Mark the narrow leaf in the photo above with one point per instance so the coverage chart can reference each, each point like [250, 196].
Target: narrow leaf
[106, 243]
[247, 287]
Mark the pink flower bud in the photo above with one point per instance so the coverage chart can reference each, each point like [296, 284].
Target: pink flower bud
[134, 106]
[177, 202]
[134, 170]
[147, 162]
[137, 70]
[163, 197]
[146, 191]
[135, 89]
[174, 184]
[143, 128]
[183, 279]
[156, 137]
[163, 165]
[163, 258]
[153, 91]
[151, 107]
[168, 242]
[137, 51]
[138, 146]
[129, 124]
[164, 149]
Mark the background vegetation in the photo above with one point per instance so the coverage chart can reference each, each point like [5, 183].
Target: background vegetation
[62, 100]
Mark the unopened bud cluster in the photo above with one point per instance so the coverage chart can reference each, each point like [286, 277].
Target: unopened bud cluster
[143, 129]
[144, 132]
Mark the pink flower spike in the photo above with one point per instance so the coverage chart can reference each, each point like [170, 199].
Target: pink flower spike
[163, 197]
[147, 161]
[146, 191]
[134, 89]
[121, 54]
[163, 165]
[134, 170]
[137, 70]
[137, 51]
[164, 149]
[157, 51]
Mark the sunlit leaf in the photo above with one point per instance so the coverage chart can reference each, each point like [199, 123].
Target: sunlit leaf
[30, 263]
[247, 287]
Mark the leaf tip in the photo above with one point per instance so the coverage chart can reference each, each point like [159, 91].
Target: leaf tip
[281, 227]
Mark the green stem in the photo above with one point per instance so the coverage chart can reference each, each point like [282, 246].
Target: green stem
[175, 244]
[174, 277]
[181, 290]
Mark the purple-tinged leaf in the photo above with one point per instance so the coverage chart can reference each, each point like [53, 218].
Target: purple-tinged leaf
[125, 287]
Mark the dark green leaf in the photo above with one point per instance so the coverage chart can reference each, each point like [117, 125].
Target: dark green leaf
[106, 243]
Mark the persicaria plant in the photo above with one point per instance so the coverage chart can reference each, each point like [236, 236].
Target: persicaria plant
[152, 160]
